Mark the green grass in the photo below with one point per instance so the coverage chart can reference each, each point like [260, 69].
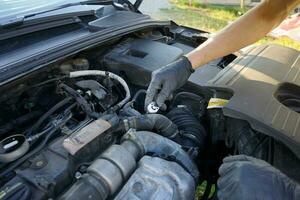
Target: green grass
[201, 189]
[217, 11]
[194, 19]
[213, 18]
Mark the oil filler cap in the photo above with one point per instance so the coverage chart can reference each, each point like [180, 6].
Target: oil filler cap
[152, 108]
[13, 147]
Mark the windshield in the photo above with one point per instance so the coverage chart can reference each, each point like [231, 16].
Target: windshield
[16, 7]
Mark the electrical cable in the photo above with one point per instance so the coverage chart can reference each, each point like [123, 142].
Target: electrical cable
[105, 74]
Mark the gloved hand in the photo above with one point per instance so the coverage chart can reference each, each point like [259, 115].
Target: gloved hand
[167, 79]
[244, 177]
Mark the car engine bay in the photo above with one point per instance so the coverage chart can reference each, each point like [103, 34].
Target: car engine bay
[78, 128]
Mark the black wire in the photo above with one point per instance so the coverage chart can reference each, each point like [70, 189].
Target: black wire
[80, 100]
[45, 82]
[189, 94]
[20, 121]
[34, 138]
[42, 119]
[31, 153]
[48, 81]
[271, 151]
[259, 144]
[137, 94]
[40, 146]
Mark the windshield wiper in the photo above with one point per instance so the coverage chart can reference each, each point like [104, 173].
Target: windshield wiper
[19, 20]
[58, 16]
[10, 22]
[51, 14]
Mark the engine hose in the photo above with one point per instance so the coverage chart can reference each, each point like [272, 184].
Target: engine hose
[192, 133]
[52, 130]
[129, 111]
[16, 163]
[136, 96]
[105, 74]
[149, 142]
[80, 100]
[50, 112]
[187, 95]
[19, 121]
[113, 167]
[33, 138]
[152, 122]
[197, 104]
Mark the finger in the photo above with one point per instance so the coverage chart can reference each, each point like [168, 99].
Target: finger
[236, 158]
[226, 168]
[152, 91]
[220, 195]
[228, 191]
[163, 95]
[222, 182]
[225, 183]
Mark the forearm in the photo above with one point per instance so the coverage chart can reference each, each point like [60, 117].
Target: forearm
[246, 30]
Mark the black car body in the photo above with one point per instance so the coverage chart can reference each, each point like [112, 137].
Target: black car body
[72, 119]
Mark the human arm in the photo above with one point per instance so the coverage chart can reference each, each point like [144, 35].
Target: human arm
[249, 28]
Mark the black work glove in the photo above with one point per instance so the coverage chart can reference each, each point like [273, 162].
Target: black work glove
[244, 177]
[167, 79]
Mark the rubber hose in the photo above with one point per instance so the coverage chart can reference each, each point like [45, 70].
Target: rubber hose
[38, 148]
[149, 142]
[19, 121]
[81, 101]
[192, 133]
[136, 96]
[114, 166]
[152, 122]
[49, 113]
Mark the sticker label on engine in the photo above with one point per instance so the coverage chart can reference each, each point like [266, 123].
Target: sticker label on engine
[217, 103]
[79, 139]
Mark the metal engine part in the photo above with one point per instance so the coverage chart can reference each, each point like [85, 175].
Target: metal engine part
[152, 108]
[95, 87]
[157, 178]
[106, 174]
[80, 139]
[77, 148]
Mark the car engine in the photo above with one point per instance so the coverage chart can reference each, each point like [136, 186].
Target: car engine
[74, 131]
[78, 127]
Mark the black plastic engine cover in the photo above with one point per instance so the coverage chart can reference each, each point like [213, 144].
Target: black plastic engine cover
[265, 84]
[138, 58]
